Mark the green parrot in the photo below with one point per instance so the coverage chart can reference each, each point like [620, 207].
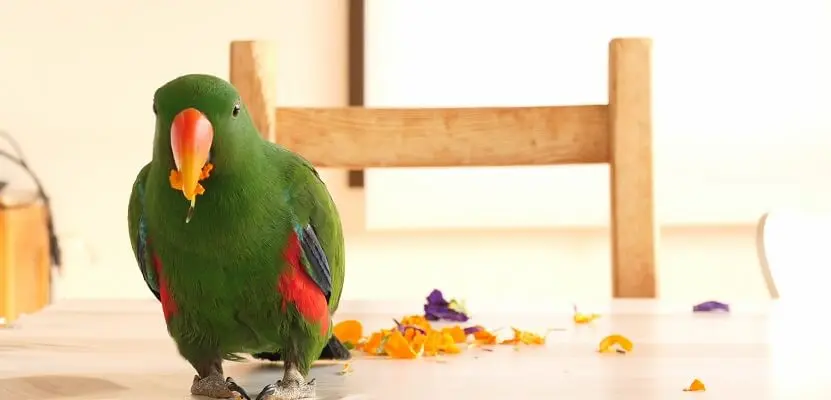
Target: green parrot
[256, 265]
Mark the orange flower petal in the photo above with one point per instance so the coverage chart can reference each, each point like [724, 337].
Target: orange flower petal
[396, 346]
[375, 344]
[432, 343]
[410, 333]
[514, 340]
[609, 342]
[349, 331]
[417, 321]
[484, 337]
[456, 332]
[696, 386]
[414, 337]
[418, 341]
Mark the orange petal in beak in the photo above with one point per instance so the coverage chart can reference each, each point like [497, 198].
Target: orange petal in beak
[191, 136]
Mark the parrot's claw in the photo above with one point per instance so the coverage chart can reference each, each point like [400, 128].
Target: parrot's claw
[216, 387]
[234, 388]
[289, 389]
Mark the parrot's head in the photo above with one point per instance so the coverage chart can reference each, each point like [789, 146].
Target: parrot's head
[201, 126]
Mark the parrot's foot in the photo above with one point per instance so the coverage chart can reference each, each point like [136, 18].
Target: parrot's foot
[218, 388]
[291, 387]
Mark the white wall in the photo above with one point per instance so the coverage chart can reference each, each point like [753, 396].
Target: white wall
[76, 87]
[76, 83]
[740, 112]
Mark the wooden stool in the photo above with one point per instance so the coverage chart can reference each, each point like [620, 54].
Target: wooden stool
[25, 278]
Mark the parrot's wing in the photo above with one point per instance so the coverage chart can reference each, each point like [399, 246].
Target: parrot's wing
[138, 232]
[319, 230]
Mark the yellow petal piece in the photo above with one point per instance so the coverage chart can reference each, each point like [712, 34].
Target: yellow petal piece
[347, 369]
[531, 338]
[523, 337]
[175, 180]
[696, 386]
[349, 331]
[206, 171]
[609, 342]
[580, 318]
[448, 344]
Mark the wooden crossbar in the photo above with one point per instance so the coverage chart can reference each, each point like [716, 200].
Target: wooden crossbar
[449, 137]
[618, 133]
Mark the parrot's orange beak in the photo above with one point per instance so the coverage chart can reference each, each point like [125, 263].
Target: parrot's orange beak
[191, 136]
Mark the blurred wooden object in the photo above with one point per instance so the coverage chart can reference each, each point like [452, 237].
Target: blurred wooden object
[356, 71]
[25, 278]
[618, 133]
[253, 72]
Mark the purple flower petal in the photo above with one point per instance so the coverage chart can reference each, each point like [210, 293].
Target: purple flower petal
[436, 298]
[438, 308]
[403, 328]
[473, 329]
[711, 306]
[457, 317]
[431, 312]
[438, 313]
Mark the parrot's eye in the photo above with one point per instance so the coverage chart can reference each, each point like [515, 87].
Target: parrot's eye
[236, 110]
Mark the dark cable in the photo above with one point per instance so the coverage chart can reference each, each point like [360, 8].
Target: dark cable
[19, 159]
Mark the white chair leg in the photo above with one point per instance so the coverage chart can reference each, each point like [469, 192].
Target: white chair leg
[763, 259]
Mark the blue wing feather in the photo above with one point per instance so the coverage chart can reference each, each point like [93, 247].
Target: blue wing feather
[318, 264]
[147, 272]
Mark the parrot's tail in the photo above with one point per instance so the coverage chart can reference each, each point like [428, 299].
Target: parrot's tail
[334, 350]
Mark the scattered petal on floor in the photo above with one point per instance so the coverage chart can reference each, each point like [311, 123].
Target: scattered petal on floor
[711, 306]
[695, 386]
[414, 336]
[616, 343]
[438, 308]
[349, 332]
[581, 318]
[347, 369]
[522, 337]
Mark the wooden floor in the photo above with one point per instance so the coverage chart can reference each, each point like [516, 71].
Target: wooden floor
[98, 352]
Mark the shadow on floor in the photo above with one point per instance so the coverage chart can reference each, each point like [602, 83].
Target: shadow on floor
[46, 387]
